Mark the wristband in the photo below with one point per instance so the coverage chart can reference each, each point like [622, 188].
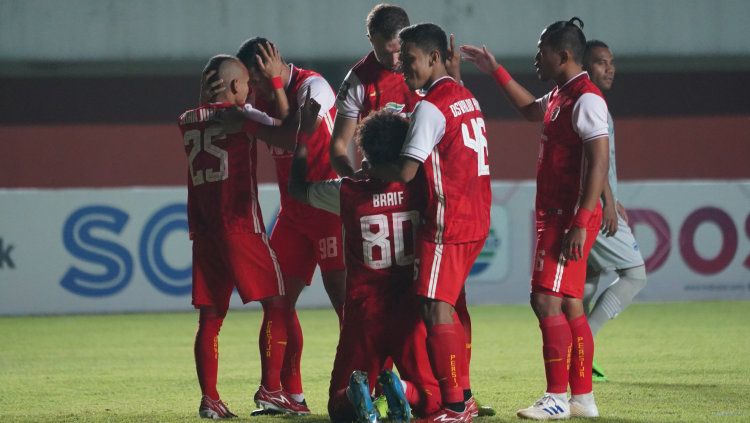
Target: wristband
[583, 216]
[502, 76]
[276, 83]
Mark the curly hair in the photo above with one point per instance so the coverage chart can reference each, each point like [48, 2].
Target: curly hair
[381, 136]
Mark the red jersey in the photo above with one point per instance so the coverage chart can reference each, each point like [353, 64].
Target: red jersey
[447, 134]
[380, 221]
[573, 115]
[318, 162]
[222, 187]
[370, 86]
[380, 225]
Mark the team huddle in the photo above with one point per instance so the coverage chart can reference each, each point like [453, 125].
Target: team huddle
[395, 237]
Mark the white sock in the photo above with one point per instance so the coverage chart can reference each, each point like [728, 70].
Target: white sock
[562, 398]
[585, 399]
[298, 397]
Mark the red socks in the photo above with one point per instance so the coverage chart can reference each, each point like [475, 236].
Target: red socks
[556, 346]
[445, 346]
[465, 320]
[582, 356]
[464, 359]
[272, 342]
[291, 378]
[207, 351]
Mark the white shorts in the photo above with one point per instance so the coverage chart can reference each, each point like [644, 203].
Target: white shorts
[620, 251]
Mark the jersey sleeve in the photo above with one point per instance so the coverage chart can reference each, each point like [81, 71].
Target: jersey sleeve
[350, 99]
[325, 195]
[426, 129]
[590, 117]
[320, 91]
[543, 102]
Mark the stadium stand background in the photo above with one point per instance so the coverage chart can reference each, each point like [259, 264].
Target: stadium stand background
[91, 89]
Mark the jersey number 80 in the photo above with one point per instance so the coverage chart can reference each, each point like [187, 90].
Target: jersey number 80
[381, 238]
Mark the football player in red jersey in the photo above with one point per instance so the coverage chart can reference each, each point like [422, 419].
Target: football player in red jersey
[381, 317]
[230, 247]
[571, 173]
[375, 83]
[372, 84]
[300, 246]
[447, 141]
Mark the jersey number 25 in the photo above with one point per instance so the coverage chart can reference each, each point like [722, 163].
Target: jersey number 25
[205, 141]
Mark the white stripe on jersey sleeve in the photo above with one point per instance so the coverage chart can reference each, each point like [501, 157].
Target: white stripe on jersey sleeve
[320, 91]
[325, 195]
[350, 99]
[426, 129]
[590, 117]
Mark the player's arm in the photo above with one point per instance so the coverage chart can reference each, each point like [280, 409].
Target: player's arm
[589, 121]
[323, 195]
[404, 170]
[426, 128]
[609, 211]
[343, 132]
[349, 104]
[519, 97]
[271, 66]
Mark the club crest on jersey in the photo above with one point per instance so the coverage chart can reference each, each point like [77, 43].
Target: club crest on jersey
[343, 89]
[394, 107]
[554, 113]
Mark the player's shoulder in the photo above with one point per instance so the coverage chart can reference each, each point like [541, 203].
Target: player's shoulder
[365, 63]
[200, 114]
[368, 69]
[452, 98]
[584, 85]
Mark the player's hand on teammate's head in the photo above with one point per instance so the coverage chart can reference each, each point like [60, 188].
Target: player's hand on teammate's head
[211, 86]
[269, 60]
[308, 113]
[480, 57]
[453, 60]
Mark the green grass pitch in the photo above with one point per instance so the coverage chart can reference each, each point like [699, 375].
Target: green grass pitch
[667, 362]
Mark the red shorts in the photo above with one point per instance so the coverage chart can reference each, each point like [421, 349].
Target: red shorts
[443, 268]
[301, 246]
[375, 328]
[552, 274]
[242, 261]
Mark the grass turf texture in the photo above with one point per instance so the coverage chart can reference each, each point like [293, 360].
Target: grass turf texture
[676, 362]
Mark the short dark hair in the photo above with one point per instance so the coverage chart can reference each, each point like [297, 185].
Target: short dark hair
[566, 35]
[427, 36]
[387, 20]
[381, 136]
[248, 50]
[215, 62]
[590, 45]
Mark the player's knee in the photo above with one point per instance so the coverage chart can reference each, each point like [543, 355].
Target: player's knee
[635, 276]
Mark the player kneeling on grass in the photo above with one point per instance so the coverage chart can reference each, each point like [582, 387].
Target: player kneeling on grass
[381, 312]
[230, 246]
